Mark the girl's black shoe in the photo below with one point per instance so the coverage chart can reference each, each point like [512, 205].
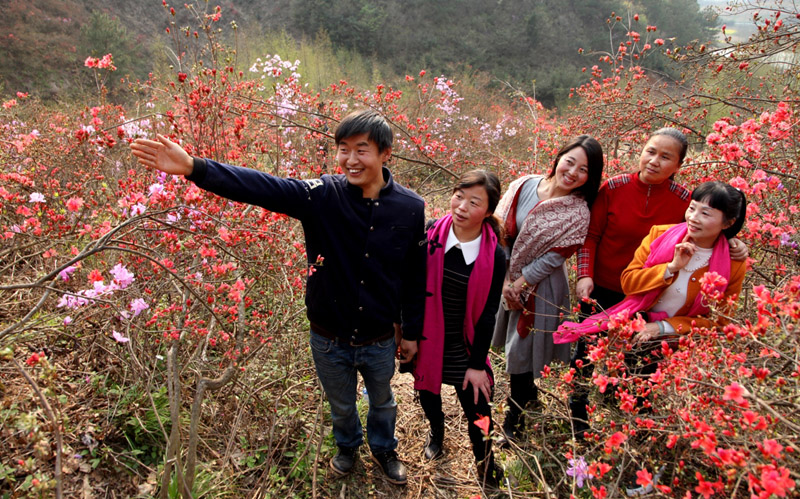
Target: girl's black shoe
[435, 443]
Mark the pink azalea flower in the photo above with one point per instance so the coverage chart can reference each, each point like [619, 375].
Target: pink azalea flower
[138, 305]
[99, 288]
[156, 189]
[36, 197]
[67, 272]
[615, 441]
[72, 301]
[138, 209]
[712, 285]
[644, 478]
[771, 448]
[74, 204]
[735, 392]
[776, 481]
[122, 276]
[119, 338]
[106, 63]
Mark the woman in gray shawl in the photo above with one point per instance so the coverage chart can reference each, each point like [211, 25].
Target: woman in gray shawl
[545, 220]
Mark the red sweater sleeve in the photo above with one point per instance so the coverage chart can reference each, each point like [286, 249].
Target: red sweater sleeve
[597, 226]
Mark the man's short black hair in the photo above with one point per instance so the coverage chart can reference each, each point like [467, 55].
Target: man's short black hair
[369, 122]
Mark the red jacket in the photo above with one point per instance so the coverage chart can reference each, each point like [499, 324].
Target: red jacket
[622, 215]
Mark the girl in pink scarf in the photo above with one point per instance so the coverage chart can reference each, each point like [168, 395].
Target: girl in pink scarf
[465, 269]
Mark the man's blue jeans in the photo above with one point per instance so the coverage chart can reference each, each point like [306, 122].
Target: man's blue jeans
[337, 364]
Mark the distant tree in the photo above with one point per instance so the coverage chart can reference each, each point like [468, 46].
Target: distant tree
[102, 35]
[352, 25]
[515, 41]
[682, 19]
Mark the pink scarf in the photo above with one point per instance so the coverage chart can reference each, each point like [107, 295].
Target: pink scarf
[428, 370]
[662, 250]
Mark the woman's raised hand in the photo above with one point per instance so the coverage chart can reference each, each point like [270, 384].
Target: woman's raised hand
[163, 155]
[683, 253]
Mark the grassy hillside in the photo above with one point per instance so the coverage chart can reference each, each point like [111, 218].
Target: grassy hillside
[533, 45]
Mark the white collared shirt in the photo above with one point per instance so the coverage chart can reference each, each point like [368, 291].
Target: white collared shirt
[469, 249]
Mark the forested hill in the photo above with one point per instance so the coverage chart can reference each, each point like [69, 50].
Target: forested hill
[45, 42]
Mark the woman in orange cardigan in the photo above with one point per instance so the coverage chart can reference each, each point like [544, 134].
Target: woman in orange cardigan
[662, 283]
[716, 210]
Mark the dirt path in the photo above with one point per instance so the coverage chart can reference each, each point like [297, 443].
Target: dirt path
[452, 476]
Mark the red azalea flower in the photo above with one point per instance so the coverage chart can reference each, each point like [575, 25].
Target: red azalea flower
[484, 423]
[735, 392]
[644, 478]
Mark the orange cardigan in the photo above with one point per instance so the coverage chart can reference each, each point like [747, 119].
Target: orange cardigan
[636, 279]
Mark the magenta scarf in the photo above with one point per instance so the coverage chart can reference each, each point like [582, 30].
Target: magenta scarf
[428, 370]
[662, 250]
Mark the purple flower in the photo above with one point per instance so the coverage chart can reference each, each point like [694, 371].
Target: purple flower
[119, 337]
[98, 289]
[72, 301]
[138, 209]
[122, 276]
[579, 470]
[138, 306]
[67, 272]
[156, 189]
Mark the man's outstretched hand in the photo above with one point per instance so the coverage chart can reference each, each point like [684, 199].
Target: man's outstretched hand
[163, 155]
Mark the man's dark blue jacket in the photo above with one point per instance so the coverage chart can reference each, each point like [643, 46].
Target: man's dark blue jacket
[373, 273]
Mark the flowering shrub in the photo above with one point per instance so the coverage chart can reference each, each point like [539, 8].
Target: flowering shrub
[716, 418]
[713, 418]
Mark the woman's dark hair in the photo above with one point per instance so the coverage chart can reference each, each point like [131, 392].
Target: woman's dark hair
[727, 199]
[594, 156]
[369, 122]
[676, 134]
[491, 185]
